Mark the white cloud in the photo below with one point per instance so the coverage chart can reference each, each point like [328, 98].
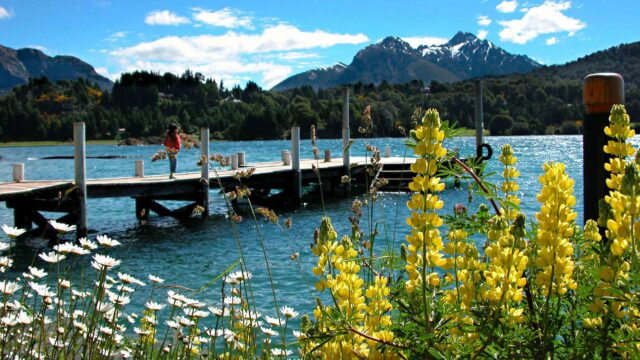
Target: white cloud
[484, 20]
[507, 6]
[117, 36]
[552, 40]
[105, 72]
[543, 19]
[297, 55]
[416, 41]
[482, 34]
[226, 56]
[227, 18]
[4, 13]
[165, 17]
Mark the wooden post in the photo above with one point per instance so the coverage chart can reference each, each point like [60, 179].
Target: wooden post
[80, 166]
[18, 172]
[234, 162]
[295, 164]
[600, 92]
[479, 115]
[286, 158]
[346, 133]
[327, 155]
[204, 172]
[240, 158]
[387, 151]
[139, 168]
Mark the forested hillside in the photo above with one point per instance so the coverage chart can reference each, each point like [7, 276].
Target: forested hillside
[545, 101]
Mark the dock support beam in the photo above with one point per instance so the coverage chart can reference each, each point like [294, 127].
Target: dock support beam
[295, 164]
[479, 114]
[80, 166]
[346, 135]
[600, 92]
[204, 147]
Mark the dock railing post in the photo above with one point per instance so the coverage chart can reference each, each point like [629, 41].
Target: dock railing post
[204, 171]
[18, 172]
[479, 114]
[600, 92]
[295, 163]
[80, 166]
[139, 168]
[346, 136]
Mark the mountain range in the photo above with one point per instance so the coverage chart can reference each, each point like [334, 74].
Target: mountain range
[393, 60]
[17, 66]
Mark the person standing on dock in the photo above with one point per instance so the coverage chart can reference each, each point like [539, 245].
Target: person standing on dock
[172, 143]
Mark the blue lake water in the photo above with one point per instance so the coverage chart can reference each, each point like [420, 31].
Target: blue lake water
[194, 252]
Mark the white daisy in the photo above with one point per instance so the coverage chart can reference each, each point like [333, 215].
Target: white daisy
[12, 232]
[128, 279]
[154, 306]
[52, 257]
[9, 287]
[37, 272]
[87, 244]
[280, 352]
[5, 261]
[104, 262]
[272, 321]
[41, 290]
[60, 227]
[65, 284]
[106, 241]
[4, 246]
[288, 312]
[268, 331]
[219, 312]
[155, 279]
[70, 248]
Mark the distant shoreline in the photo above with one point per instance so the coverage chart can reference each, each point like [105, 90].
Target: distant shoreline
[142, 141]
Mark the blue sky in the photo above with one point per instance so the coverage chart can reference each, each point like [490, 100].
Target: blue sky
[269, 40]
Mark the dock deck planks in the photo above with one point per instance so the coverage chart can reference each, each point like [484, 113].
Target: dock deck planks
[265, 172]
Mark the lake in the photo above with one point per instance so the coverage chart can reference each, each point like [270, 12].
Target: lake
[194, 252]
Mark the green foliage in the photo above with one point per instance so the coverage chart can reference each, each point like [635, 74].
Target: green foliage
[500, 124]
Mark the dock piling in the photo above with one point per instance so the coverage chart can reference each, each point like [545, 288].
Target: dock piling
[295, 163]
[387, 151]
[346, 136]
[18, 172]
[600, 92]
[478, 117]
[80, 166]
[241, 158]
[327, 155]
[234, 162]
[139, 168]
[204, 171]
[286, 158]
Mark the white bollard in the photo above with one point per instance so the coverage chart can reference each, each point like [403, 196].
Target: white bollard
[18, 172]
[139, 168]
[241, 158]
[234, 162]
[286, 158]
[387, 151]
[327, 156]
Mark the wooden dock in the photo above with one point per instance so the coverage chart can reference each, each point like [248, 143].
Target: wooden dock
[29, 198]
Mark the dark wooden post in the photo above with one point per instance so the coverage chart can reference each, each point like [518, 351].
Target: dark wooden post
[479, 115]
[80, 167]
[204, 172]
[295, 165]
[601, 91]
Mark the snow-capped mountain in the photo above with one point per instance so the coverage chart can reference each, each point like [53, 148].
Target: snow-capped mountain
[468, 56]
[395, 61]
